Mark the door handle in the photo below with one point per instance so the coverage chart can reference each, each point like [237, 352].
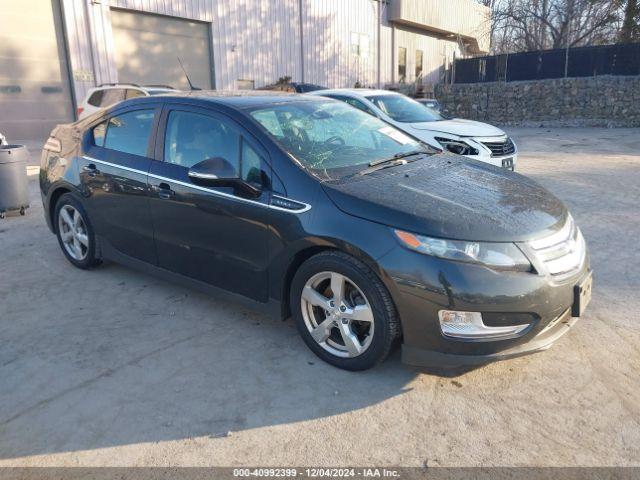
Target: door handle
[90, 170]
[164, 191]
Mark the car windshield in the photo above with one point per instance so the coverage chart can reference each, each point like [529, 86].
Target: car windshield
[404, 109]
[332, 137]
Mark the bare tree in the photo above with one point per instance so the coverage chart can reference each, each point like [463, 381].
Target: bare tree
[630, 31]
[521, 25]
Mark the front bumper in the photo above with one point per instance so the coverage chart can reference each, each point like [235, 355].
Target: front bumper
[419, 357]
[485, 154]
[421, 286]
[507, 161]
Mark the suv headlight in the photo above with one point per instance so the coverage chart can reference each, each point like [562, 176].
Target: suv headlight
[457, 146]
[499, 256]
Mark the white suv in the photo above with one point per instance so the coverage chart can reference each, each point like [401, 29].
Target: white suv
[107, 94]
[472, 139]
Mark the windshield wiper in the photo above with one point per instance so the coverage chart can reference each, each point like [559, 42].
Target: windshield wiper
[397, 159]
[387, 164]
[397, 156]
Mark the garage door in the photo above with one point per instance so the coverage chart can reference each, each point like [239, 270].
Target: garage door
[34, 84]
[147, 48]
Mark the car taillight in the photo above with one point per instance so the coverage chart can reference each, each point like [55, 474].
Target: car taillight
[80, 110]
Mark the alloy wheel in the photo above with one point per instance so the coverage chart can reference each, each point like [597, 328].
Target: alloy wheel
[73, 232]
[337, 314]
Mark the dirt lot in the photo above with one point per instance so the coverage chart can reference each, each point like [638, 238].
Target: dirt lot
[113, 367]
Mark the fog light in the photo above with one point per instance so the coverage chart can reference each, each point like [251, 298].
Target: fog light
[469, 325]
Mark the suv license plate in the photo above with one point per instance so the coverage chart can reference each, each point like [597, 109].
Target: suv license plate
[581, 296]
[507, 163]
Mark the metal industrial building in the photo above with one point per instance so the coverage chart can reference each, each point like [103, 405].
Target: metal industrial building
[53, 51]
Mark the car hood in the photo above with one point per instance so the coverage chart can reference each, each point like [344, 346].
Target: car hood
[452, 197]
[460, 127]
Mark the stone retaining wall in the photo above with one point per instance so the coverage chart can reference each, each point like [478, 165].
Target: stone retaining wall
[610, 101]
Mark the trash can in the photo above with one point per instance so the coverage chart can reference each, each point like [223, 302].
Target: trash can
[14, 192]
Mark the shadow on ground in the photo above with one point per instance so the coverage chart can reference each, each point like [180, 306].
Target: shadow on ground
[107, 357]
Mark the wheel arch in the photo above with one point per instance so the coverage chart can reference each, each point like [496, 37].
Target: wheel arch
[54, 196]
[309, 251]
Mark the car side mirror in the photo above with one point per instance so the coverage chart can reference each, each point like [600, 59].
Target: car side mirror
[219, 172]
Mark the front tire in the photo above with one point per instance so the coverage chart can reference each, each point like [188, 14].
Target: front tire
[75, 232]
[343, 311]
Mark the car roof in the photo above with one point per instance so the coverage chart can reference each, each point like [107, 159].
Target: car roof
[159, 89]
[362, 92]
[108, 86]
[239, 99]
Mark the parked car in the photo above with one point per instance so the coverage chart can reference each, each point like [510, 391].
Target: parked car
[293, 87]
[429, 102]
[108, 94]
[305, 206]
[3, 139]
[472, 139]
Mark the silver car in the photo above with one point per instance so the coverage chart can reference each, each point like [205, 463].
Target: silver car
[472, 139]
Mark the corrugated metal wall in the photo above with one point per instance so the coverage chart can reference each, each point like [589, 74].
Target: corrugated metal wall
[435, 54]
[34, 85]
[259, 40]
[466, 18]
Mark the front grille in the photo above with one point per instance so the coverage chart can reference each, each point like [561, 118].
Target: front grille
[562, 252]
[501, 148]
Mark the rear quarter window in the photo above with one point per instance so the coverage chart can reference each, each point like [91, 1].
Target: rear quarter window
[133, 93]
[111, 96]
[96, 98]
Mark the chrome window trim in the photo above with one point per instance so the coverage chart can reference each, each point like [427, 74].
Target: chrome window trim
[306, 207]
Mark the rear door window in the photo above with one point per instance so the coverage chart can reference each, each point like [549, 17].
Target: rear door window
[129, 132]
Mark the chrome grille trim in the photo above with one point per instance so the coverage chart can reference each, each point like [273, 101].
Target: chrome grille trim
[562, 253]
[501, 147]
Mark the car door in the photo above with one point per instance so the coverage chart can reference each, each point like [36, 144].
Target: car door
[217, 235]
[113, 177]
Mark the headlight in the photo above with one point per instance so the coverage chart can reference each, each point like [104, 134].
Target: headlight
[500, 256]
[457, 146]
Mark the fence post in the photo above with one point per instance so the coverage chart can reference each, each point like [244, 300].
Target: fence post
[453, 68]
[566, 53]
[506, 67]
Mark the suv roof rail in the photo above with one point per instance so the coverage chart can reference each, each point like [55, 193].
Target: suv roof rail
[118, 85]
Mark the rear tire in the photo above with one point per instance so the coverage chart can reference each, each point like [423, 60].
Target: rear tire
[75, 232]
[353, 329]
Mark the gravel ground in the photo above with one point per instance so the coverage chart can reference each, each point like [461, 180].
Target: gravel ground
[113, 367]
